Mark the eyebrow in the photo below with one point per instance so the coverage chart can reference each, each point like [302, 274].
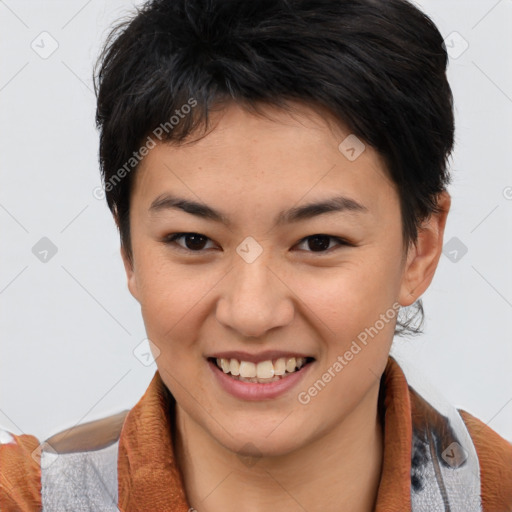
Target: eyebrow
[337, 204]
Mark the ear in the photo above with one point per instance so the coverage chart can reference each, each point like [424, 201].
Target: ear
[130, 273]
[423, 257]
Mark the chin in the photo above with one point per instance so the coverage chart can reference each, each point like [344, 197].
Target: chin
[256, 443]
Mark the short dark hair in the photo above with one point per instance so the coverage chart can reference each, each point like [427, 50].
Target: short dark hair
[378, 66]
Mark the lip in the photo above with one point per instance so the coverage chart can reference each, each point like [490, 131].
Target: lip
[254, 390]
[257, 358]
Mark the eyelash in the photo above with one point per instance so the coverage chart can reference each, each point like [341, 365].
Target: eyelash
[172, 238]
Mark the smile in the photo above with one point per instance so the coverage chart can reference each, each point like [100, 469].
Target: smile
[262, 372]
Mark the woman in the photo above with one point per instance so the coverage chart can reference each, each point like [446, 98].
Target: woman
[277, 172]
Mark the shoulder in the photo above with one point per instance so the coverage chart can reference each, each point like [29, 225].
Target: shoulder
[30, 469]
[20, 473]
[94, 435]
[495, 458]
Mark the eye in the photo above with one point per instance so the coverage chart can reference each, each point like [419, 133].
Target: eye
[194, 242]
[322, 243]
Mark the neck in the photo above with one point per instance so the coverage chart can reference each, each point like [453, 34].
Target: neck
[339, 471]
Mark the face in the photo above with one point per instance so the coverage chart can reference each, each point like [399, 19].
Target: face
[259, 277]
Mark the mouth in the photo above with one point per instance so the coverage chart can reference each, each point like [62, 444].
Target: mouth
[263, 372]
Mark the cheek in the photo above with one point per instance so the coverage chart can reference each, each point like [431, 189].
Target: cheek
[353, 310]
[174, 302]
[167, 302]
[352, 295]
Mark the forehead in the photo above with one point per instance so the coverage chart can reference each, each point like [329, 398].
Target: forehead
[278, 156]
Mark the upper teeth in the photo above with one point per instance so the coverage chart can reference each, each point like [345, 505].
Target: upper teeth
[261, 370]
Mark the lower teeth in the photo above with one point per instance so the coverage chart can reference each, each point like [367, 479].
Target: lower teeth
[256, 380]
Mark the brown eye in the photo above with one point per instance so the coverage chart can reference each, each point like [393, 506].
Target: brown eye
[192, 241]
[321, 243]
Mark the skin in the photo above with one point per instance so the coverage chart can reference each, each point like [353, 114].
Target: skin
[325, 455]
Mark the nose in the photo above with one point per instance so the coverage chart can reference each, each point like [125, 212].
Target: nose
[254, 300]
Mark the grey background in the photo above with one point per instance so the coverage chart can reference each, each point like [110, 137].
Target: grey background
[69, 326]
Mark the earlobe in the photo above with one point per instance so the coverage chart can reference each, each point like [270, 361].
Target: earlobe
[423, 256]
[130, 273]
